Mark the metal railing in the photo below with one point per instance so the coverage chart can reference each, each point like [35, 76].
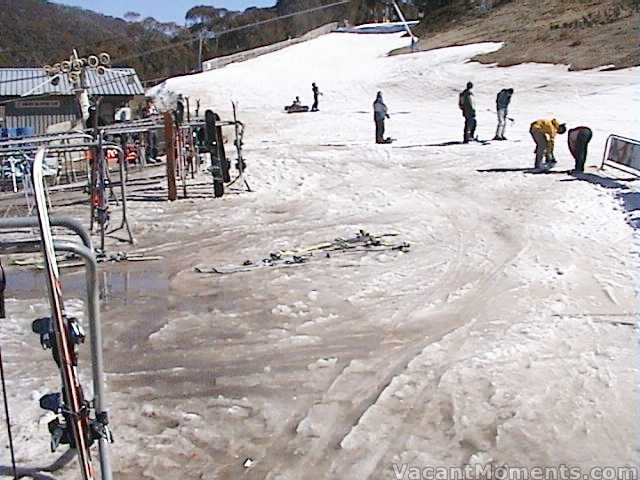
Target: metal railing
[83, 249]
[630, 163]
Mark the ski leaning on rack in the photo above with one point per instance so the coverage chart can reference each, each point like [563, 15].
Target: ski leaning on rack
[62, 334]
[362, 242]
[241, 165]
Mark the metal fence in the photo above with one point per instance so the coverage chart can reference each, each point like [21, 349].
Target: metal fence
[622, 153]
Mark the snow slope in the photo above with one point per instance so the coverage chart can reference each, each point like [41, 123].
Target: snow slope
[501, 338]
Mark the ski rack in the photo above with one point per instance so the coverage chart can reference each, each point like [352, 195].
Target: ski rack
[180, 159]
[239, 143]
[218, 147]
[239, 130]
[141, 127]
[98, 175]
[84, 249]
[183, 157]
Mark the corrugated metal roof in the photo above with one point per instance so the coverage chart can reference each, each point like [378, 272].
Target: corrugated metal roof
[15, 82]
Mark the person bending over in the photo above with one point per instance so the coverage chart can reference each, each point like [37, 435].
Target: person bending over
[544, 133]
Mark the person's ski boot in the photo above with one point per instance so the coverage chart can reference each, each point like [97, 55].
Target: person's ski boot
[550, 163]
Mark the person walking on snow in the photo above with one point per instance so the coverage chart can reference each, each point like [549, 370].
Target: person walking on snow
[544, 133]
[579, 139]
[502, 106]
[467, 104]
[316, 95]
[379, 115]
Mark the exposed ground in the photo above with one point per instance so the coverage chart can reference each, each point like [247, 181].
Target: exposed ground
[506, 335]
[584, 34]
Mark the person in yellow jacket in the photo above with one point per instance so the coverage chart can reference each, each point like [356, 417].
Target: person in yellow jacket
[544, 133]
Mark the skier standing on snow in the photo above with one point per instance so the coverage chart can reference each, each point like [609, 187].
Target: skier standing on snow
[544, 133]
[502, 105]
[468, 106]
[579, 139]
[379, 115]
[316, 95]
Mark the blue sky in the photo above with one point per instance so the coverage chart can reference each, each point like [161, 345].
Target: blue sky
[163, 10]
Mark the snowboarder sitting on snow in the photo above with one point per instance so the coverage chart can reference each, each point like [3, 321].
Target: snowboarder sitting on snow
[296, 106]
[379, 115]
[579, 139]
[502, 105]
[316, 97]
[544, 133]
[468, 106]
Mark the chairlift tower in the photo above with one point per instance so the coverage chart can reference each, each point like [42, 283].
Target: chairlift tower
[414, 39]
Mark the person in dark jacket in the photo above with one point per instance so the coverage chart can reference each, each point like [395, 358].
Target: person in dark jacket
[579, 139]
[179, 113]
[502, 106]
[316, 97]
[467, 104]
[379, 114]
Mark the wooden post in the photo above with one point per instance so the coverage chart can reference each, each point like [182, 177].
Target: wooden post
[170, 142]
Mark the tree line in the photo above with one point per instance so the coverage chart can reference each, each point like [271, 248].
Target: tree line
[38, 32]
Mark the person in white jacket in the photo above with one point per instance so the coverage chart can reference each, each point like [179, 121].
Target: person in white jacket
[380, 113]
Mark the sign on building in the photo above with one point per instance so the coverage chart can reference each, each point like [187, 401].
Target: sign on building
[37, 104]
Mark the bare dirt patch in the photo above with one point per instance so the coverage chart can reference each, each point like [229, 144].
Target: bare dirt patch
[584, 34]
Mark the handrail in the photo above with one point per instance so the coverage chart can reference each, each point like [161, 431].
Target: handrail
[93, 307]
[32, 222]
[605, 155]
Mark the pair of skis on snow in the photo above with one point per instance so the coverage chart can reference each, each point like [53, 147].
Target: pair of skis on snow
[361, 242]
[62, 334]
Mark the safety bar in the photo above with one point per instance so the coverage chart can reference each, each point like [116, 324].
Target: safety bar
[613, 164]
[32, 222]
[70, 148]
[46, 138]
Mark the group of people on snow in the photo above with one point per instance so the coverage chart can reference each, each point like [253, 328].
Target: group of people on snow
[467, 104]
[296, 105]
[542, 131]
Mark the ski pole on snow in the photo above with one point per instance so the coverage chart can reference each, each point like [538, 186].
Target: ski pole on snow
[512, 120]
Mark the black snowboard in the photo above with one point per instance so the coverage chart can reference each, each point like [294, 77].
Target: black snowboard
[212, 138]
[296, 109]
